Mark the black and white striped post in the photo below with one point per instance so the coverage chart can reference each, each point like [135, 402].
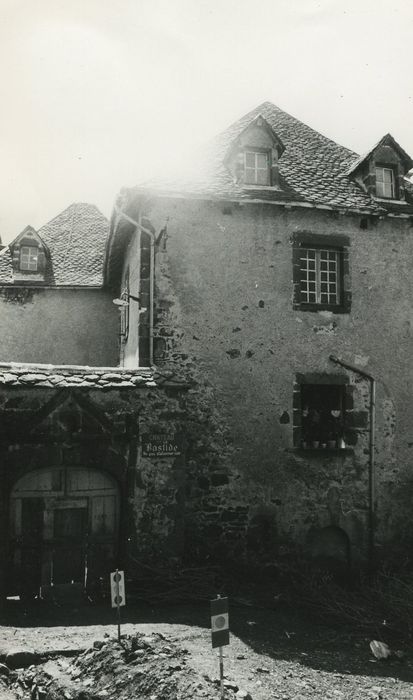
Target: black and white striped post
[117, 591]
[220, 633]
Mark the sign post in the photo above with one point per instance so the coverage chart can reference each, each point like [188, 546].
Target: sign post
[117, 593]
[220, 633]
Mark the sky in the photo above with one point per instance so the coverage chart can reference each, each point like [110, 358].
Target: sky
[100, 94]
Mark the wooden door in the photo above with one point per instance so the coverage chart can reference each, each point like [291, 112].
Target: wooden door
[64, 527]
[70, 529]
[31, 540]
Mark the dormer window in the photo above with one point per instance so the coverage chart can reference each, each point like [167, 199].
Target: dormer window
[29, 257]
[382, 171]
[385, 183]
[257, 168]
[253, 156]
[29, 254]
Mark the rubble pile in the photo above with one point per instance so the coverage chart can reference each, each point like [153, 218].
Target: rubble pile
[139, 666]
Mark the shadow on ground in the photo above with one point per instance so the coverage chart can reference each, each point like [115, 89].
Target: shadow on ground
[283, 632]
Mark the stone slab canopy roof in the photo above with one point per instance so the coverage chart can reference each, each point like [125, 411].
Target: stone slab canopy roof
[33, 375]
[313, 169]
[14, 374]
[75, 240]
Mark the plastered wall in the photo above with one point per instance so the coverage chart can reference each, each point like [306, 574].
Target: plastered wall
[58, 326]
[224, 316]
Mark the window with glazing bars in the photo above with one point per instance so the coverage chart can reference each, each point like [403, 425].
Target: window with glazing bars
[28, 258]
[256, 168]
[320, 276]
[385, 183]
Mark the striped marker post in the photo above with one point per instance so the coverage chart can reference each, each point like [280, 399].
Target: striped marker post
[117, 593]
[220, 632]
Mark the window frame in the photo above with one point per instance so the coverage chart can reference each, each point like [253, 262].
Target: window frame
[348, 432]
[257, 152]
[327, 432]
[393, 183]
[307, 241]
[29, 254]
[318, 273]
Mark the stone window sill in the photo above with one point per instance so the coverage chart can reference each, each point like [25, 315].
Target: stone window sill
[271, 188]
[392, 200]
[316, 451]
[333, 308]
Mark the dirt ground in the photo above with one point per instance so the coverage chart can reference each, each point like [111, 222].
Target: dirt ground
[278, 653]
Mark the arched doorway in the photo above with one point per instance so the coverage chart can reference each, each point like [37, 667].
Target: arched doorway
[64, 527]
[329, 547]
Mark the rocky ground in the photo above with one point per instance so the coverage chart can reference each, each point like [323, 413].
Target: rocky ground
[165, 654]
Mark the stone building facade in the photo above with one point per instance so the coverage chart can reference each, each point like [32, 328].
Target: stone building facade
[246, 398]
[282, 293]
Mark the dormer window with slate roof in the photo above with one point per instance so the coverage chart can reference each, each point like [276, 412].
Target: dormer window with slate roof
[253, 156]
[29, 254]
[382, 172]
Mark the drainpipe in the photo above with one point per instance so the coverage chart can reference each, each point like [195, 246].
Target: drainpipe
[139, 226]
[372, 421]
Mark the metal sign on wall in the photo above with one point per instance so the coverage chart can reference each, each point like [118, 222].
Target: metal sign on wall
[161, 445]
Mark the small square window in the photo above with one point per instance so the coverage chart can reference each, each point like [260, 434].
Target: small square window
[385, 183]
[322, 415]
[29, 257]
[257, 170]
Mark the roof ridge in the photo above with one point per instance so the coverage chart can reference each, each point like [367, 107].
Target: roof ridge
[255, 111]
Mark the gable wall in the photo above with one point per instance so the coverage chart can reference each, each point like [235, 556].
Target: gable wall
[386, 154]
[257, 137]
[56, 326]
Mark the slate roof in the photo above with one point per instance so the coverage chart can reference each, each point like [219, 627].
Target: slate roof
[313, 169]
[76, 239]
[5, 265]
[38, 375]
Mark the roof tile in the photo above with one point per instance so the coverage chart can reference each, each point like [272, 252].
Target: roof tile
[76, 239]
[6, 273]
